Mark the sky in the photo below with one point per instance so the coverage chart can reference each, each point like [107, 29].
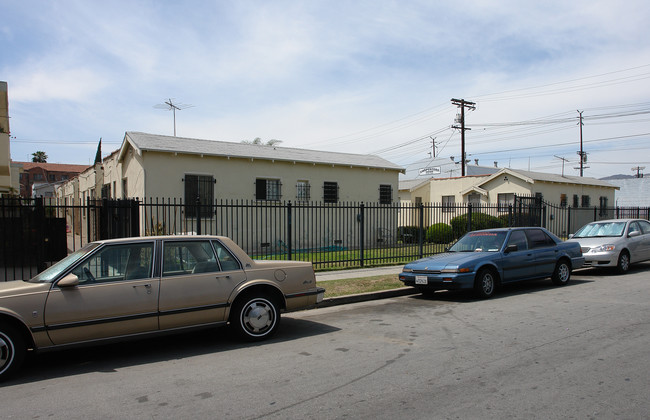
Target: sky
[347, 76]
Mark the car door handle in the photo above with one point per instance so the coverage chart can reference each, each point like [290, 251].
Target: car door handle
[146, 286]
[226, 277]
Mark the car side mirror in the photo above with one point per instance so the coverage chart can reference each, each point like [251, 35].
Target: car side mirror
[570, 235]
[71, 280]
[511, 248]
[633, 234]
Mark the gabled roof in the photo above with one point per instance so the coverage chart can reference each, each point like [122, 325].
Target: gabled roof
[475, 189]
[168, 144]
[532, 177]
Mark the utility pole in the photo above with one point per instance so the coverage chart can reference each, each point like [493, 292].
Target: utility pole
[462, 104]
[638, 170]
[433, 145]
[581, 152]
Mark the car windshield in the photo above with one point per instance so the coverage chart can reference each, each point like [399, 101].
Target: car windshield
[601, 230]
[53, 272]
[481, 241]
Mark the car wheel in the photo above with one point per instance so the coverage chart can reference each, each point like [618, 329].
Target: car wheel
[623, 265]
[255, 317]
[562, 273]
[485, 283]
[12, 351]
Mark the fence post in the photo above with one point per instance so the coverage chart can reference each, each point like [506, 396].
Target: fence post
[361, 234]
[289, 230]
[510, 221]
[134, 217]
[469, 217]
[568, 221]
[421, 229]
[198, 214]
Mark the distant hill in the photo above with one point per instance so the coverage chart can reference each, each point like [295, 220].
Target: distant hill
[618, 176]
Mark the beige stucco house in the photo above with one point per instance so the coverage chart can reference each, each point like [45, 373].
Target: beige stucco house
[501, 187]
[149, 165]
[184, 170]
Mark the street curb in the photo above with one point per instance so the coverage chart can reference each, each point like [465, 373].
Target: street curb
[364, 297]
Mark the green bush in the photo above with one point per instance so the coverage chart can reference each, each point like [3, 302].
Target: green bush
[479, 221]
[440, 233]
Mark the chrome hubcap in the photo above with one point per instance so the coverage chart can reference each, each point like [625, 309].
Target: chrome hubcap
[5, 352]
[563, 273]
[625, 262]
[258, 316]
[488, 284]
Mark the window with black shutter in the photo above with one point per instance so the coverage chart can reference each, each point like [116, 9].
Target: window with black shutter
[330, 192]
[385, 194]
[268, 189]
[199, 190]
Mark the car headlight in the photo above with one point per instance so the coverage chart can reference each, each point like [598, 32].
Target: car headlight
[455, 270]
[407, 270]
[604, 248]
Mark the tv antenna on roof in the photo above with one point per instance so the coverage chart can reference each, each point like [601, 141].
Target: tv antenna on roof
[169, 105]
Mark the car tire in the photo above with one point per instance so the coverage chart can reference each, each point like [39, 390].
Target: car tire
[485, 283]
[12, 350]
[623, 265]
[255, 317]
[562, 273]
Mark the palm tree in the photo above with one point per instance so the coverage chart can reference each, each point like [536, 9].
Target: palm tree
[259, 141]
[39, 156]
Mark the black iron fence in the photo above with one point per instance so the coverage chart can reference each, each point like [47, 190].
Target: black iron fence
[36, 232]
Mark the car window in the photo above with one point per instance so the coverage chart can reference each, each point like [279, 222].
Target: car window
[538, 239]
[634, 227]
[645, 226]
[601, 229]
[480, 241]
[226, 259]
[188, 257]
[116, 263]
[518, 237]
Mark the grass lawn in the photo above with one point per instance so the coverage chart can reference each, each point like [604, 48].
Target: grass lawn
[343, 287]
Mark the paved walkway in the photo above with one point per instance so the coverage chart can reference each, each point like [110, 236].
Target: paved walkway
[358, 272]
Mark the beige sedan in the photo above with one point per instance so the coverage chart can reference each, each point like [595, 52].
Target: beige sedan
[125, 288]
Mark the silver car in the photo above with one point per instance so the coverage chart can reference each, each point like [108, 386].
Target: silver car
[614, 243]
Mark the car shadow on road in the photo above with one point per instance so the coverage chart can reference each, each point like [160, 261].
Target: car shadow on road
[110, 357]
[504, 291]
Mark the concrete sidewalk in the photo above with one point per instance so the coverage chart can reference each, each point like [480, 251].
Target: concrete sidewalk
[358, 273]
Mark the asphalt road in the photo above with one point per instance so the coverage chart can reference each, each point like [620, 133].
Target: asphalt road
[534, 351]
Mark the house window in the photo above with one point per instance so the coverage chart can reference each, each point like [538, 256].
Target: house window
[302, 191]
[64, 177]
[418, 200]
[505, 200]
[38, 177]
[385, 194]
[199, 189]
[563, 200]
[330, 192]
[448, 203]
[268, 189]
[124, 190]
[585, 201]
[575, 200]
[52, 177]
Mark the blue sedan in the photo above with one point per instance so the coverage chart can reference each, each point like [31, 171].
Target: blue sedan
[483, 259]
